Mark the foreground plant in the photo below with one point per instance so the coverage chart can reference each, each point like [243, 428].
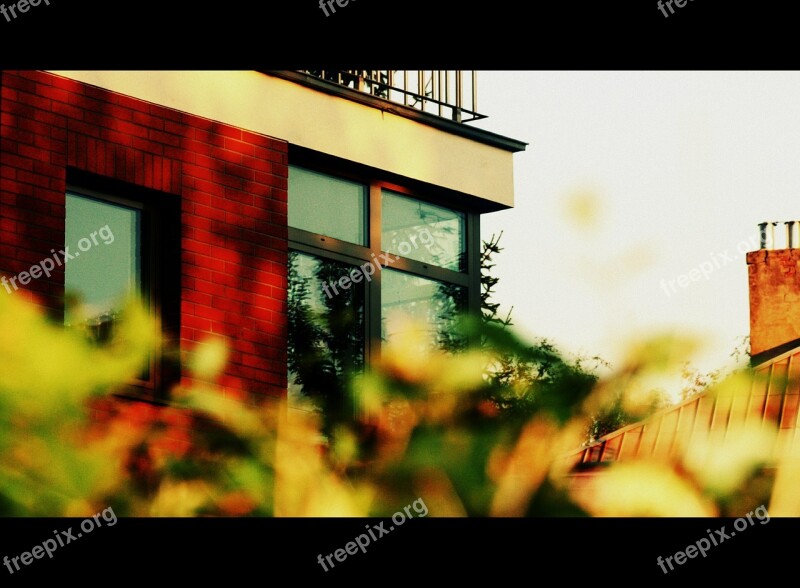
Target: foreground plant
[448, 427]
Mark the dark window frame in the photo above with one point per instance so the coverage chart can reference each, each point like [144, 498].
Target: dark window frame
[377, 181]
[160, 271]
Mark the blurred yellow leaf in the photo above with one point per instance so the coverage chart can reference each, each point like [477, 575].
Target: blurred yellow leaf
[641, 489]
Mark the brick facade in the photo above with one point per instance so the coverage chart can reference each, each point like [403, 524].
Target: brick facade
[229, 184]
[774, 298]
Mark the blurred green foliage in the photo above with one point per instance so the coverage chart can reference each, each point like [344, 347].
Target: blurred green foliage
[485, 431]
[452, 428]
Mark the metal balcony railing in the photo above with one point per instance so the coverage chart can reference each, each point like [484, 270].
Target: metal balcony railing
[791, 238]
[448, 94]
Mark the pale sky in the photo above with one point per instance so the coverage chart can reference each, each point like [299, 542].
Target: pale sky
[683, 167]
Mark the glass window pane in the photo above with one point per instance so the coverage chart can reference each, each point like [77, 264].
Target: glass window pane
[422, 231]
[409, 300]
[326, 334]
[104, 241]
[327, 205]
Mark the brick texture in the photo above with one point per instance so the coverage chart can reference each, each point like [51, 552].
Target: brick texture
[232, 188]
[774, 298]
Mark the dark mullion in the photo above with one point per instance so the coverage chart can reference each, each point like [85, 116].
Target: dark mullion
[328, 244]
[356, 254]
[474, 269]
[374, 287]
[325, 253]
[372, 290]
[149, 244]
[474, 261]
[427, 270]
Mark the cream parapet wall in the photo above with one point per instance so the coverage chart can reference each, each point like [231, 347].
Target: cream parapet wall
[309, 118]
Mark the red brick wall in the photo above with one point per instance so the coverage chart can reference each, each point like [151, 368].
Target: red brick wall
[774, 298]
[232, 186]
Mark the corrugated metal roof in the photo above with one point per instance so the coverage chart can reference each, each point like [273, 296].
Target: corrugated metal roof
[772, 396]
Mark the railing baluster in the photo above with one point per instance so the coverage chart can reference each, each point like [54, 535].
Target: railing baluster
[474, 106]
[457, 111]
[431, 91]
[435, 86]
[439, 95]
[446, 87]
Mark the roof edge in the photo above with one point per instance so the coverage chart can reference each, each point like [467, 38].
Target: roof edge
[775, 354]
[443, 124]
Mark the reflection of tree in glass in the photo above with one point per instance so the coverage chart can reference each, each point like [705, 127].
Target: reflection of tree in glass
[446, 304]
[438, 236]
[445, 231]
[98, 328]
[327, 342]
[423, 231]
[412, 302]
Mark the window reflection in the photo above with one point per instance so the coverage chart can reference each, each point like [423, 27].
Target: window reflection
[326, 334]
[423, 232]
[104, 266]
[432, 304]
[331, 206]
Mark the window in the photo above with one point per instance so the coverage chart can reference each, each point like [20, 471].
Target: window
[327, 333]
[425, 302]
[110, 238]
[112, 233]
[440, 231]
[328, 205]
[363, 251]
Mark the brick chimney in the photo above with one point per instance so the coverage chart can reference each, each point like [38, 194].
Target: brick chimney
[774, 280]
